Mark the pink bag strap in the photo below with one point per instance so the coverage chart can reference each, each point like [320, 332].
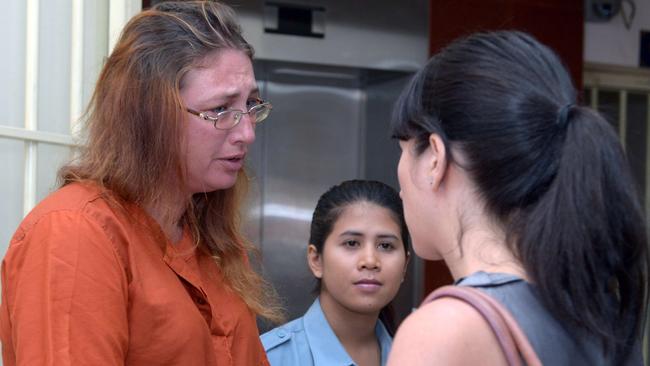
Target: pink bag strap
[511, 338]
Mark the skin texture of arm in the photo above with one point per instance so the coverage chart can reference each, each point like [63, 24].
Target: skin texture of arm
[445, 332]
[65, 295]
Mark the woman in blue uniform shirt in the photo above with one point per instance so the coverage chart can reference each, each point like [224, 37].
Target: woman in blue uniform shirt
[358, 253]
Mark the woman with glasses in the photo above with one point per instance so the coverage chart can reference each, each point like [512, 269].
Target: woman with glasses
[138, 259]
[527, 197]
[358, 253]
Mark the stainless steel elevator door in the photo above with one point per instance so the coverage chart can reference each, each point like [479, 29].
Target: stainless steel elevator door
[311, 142]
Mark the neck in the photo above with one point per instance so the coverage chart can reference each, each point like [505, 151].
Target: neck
[482, 247]
[476, 241]
[168, 217]
[353, 329]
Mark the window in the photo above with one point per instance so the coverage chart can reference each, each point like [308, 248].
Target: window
[622, 95]
[52, 59]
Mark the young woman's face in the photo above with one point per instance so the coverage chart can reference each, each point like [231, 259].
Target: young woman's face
[363, 261]
[225, 80]
[411, 173]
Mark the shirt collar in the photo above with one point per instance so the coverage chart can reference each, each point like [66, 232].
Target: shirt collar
[326, 349]
[385, 341]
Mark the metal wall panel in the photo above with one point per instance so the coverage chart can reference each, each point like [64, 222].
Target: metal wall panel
[382, 34]
[311, 142]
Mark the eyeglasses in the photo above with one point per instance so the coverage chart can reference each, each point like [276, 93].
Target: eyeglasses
[229, 118]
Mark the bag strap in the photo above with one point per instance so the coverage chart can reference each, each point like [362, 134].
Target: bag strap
[511, 338]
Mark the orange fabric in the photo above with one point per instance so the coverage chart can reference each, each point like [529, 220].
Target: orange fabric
[86, 283]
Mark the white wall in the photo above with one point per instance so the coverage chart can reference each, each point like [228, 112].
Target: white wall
[612, 43]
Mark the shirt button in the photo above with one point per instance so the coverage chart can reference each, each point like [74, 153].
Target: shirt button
[281, 333]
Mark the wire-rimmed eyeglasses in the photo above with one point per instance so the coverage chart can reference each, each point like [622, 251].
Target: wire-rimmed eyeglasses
[229, 118]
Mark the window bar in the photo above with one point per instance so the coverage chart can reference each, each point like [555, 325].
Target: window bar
[647, 164]
[120, 11]
[622, 116]
[76, 66]
[36, 136]
[646, 346]
[31, 104]
[594, 98]
[116, 16]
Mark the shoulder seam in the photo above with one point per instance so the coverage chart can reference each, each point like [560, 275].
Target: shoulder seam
[80, 212]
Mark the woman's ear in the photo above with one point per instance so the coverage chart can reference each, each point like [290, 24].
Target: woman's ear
[406, 265]
[438, 161]
[314, 261]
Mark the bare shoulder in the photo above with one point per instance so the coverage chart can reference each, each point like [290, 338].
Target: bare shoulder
[446, 332]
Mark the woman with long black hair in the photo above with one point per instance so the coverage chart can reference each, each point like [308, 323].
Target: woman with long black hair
[525, 195]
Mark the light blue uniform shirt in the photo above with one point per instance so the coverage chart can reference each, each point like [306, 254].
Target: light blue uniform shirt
[310, 341]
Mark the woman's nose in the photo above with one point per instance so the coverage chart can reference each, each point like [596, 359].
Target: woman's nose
[369, 258]
[244, 131]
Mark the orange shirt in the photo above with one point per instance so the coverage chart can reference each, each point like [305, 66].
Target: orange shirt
[86, 283]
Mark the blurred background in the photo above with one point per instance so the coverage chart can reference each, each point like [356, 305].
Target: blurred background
[332, 69]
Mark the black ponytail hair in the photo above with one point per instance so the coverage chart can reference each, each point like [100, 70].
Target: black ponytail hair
[552, 172]
[333, 202]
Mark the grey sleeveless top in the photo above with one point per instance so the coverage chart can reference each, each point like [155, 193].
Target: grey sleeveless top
[554, 343]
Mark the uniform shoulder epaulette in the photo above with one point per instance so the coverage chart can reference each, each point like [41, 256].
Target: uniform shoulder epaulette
[275, 338]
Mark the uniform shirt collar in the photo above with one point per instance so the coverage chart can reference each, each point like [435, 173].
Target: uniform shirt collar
[385, 341]
[326, 348]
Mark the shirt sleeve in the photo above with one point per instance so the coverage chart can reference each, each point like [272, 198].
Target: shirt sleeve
[64, 295]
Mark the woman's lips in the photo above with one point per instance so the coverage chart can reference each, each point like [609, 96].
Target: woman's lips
[233, 163]
[368, 285]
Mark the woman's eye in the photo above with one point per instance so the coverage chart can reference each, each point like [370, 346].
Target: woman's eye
[386, 246]
[218, 110]
[252, 103]
[351, 243]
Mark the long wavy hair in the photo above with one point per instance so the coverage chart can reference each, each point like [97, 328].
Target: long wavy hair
[134, 134]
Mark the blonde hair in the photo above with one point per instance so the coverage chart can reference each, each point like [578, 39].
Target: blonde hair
[134, 134]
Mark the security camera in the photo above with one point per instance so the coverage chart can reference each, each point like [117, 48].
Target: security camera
[605, 9]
